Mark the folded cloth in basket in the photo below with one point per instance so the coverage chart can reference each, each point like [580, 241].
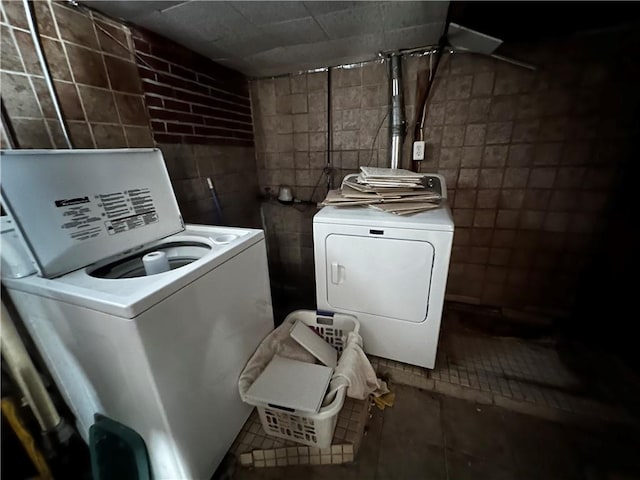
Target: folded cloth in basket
[278, 342]
[356, 371]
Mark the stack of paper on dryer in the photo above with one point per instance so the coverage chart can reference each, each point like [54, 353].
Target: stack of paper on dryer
[390, 177]
[391, 190]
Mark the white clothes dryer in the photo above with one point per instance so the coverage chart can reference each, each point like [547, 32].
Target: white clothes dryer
[389, 271]
[160, 353]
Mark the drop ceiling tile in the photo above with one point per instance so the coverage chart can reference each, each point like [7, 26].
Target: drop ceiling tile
[319, 8]
[268, 38]
[296, 32]
[247, 44]
[406, 14]
[411, 37]
[237, 64]
[351, 22]
[129, 9]
[261, 13]
[273, 57]
[206, 20]
[190, 38]
[330, 53]
[368, 44]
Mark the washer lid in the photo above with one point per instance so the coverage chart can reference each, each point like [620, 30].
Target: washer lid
[76, 207]
[438, 219]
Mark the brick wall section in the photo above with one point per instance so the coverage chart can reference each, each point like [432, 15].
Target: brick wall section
[201, 120]
[95, 77]
[191, 99]
[530, 158]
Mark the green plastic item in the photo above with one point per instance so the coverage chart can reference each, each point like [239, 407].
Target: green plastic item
[117, 452]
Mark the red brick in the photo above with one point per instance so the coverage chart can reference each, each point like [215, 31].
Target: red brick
[167, 138]
[224, 123]
[221, 132]
[158, 126]
[153, 101]
[208, 80]
[141, 45]
[239, 86]
[211, 102]
[146, 73]
[157, 114]
[163, 90]
[183, 72]
[176, 105]
[209, 131]
[179, 128]
[181, 83]
[230, 97]
[197, 88]
[172, 53]
[171, 80]
[215, 112]
[141, 33]
[168, 50]
[201, 140]
[153, 63]
[219, 72]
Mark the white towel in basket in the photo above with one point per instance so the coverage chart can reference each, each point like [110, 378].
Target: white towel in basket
[355, 369]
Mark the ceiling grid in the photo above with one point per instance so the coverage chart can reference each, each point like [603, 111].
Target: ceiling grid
[269, 38]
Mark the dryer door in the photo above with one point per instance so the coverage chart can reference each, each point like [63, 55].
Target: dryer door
[379, 276]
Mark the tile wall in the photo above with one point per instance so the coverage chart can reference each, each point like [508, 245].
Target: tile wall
[290, 124]
[232, 171]
[95, 78]
[290, 118]
[531, 158]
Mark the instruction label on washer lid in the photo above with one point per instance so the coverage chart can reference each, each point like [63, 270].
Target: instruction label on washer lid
[128, 210]
[107, 213]
[80, 218]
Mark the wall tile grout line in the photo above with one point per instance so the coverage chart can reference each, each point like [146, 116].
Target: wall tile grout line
[32, 86]
[71, 72]
[89, 14]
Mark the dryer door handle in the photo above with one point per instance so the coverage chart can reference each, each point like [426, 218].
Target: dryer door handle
[337, 273]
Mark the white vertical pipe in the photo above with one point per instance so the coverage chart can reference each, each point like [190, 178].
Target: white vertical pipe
[25, 374]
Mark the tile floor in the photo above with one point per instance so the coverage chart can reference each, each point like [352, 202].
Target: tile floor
[254, 448]
[528, 376]
[493, 408]
[435, 437]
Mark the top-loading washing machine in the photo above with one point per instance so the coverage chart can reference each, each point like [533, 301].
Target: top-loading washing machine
[158, 352]
[389, 271]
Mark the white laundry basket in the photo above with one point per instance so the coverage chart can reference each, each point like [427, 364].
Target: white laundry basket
[312, 429]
